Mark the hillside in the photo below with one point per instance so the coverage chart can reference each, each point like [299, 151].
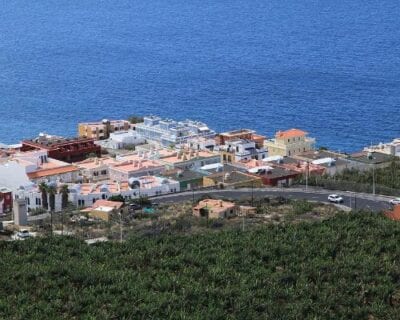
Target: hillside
[341, 268]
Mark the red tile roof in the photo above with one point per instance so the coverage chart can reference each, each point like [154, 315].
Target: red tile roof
[51, 172]
[291, 133]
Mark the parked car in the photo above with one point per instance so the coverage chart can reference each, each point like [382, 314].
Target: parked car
[22, 235]
[395, 201]
[335, 198]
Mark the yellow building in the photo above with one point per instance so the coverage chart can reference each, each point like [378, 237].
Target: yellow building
[215, 209]
[102, 129]
[289, 143]
[103, 209]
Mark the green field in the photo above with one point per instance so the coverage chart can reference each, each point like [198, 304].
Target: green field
[347, 267]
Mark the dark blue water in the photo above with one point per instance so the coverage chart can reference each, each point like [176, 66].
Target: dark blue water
[330, 67]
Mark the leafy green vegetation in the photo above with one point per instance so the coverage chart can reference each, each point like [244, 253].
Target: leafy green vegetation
[135, 119]
[387, 180]
[347, 267]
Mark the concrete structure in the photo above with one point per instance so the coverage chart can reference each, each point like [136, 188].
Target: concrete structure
[6, 201]
[242, 134]
[20, 212]
[102, 129]
[289, 143]
[233, 179]
[215, 209]
[301, 166]
[187, 179]
[63, 149]
[170, 132]
[370, 160]
[390, 148]
[333, 162]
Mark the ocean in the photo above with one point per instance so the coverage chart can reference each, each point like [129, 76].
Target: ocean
[329, 67]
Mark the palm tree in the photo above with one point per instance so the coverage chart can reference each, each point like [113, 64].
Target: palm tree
[64, 196]
[43, 189]
[52, 190]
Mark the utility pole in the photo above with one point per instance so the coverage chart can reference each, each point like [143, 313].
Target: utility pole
[373, 179]
[62, 222]
[307, 169]
[51, 222]
[120, 226]
[252, 193]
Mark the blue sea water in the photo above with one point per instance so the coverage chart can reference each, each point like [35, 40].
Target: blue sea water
[330, 67]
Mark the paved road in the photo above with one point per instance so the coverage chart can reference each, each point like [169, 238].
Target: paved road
[351, 200]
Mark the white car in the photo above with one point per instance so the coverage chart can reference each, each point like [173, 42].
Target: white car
[22, 235]
[395, 201]
[335, 198]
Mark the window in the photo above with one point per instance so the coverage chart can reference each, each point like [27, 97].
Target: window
[103, 172]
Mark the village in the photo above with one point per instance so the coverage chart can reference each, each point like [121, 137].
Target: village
[107, 179]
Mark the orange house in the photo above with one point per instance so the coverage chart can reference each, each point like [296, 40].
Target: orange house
[394, 214]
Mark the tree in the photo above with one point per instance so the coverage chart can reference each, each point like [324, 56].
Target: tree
[52, 190]
[135, 119]
[119, 198]
[64, 196]
[43, 190]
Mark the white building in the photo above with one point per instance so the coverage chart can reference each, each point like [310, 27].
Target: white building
[122, 140]
[170, 132]
[201, 143]
[35, 166]
[243, 150]
[85, 194]
[390, 148]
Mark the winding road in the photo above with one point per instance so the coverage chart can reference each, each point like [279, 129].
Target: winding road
[352, 200]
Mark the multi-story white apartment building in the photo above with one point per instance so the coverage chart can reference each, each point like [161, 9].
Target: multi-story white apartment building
[170, 132]
[241, 149]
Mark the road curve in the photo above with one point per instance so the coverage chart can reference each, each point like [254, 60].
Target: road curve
[352, 200]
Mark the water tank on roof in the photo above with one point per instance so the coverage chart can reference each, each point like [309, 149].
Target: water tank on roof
[75, 188]
[104, 188]
[134, 183]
